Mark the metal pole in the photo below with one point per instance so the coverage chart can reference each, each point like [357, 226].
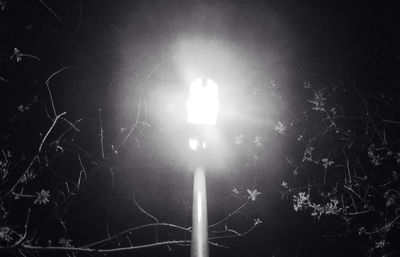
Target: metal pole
[199, 244]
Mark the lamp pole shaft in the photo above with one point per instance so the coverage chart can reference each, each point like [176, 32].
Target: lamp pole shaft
[199, 244]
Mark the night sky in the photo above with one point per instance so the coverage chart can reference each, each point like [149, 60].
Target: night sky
[109, 48]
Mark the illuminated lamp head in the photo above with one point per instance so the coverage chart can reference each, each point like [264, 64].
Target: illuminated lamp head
[203, 103]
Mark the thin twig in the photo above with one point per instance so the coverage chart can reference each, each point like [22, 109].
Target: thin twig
[229, 215]
[142, 210]
[72, 125]
[112, 176]
[141, 97]
[54, 13]
[236, 234]
[276, 252]
[149, 215]
[48, 84]
[82, 171]
[218, 245]
[134, 124]
[347, 164]
[50, 129]
[22, 253]
[392, 122]
[91, 250]
[3, 79]
[23, 237]
[29, 55]
[133, 229]
[358, 212]
[129, 240]
[23, 174]
[62, 223]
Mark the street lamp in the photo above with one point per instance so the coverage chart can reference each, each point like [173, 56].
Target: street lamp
[202, 111]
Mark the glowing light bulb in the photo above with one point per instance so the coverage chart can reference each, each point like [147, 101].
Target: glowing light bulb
[193, 144]
[203, 103]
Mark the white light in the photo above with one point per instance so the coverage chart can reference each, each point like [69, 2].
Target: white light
[203, 103]
[193, 144]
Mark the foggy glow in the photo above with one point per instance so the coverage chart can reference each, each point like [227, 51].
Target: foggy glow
[193, 144]
[203, 102]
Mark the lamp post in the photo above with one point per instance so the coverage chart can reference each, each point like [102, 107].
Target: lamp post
[202, 111]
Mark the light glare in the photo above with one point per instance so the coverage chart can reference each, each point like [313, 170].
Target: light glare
[203, 102]
[193, 144]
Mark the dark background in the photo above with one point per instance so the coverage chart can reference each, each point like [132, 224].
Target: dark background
[113, 45]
